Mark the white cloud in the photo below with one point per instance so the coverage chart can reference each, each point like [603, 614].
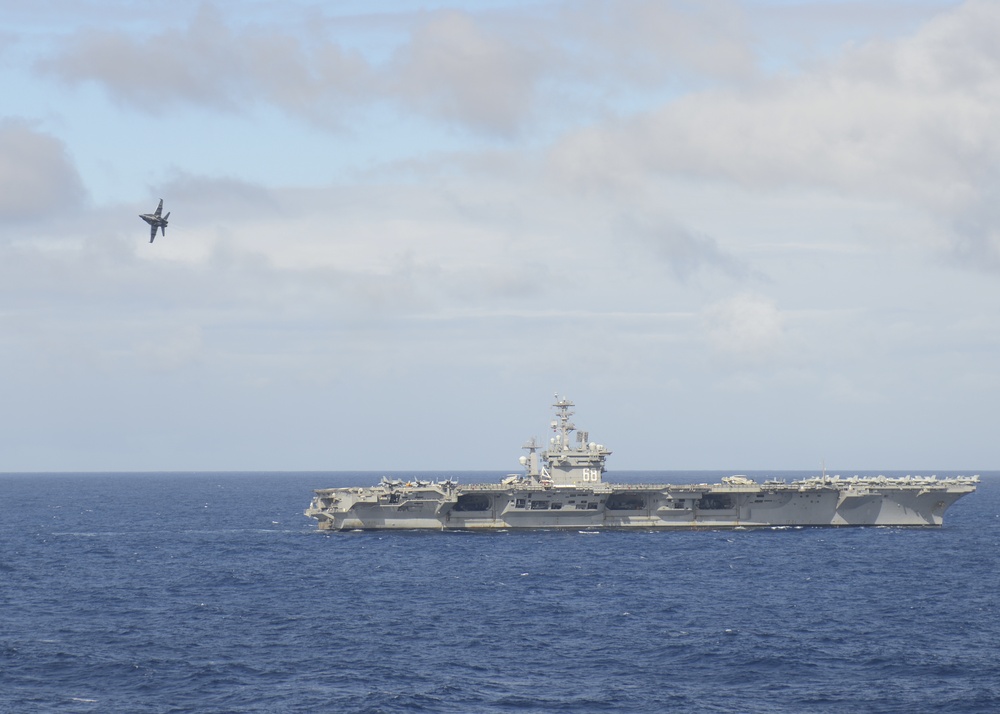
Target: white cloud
[37, 176]
[210, 63]
[908, 121]
[492, 71]
[458, 69]
[747, 327]
[660, 42]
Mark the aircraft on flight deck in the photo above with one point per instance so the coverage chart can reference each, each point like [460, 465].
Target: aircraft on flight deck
[156, 221]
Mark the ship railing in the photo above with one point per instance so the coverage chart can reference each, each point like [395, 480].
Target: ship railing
[884, 482]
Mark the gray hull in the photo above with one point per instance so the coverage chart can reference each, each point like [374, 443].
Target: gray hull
[814, 502]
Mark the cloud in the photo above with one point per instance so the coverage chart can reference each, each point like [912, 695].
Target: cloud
[685, 251]
[976, 233]
[7, 41]
[458, 69]
[207, 198]
[656, 43]
[909, 121]
[37, 176]
[747, 326]
[452, 67]
[209, 64]
[490, 71]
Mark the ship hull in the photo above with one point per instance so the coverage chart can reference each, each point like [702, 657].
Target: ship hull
[491, 507]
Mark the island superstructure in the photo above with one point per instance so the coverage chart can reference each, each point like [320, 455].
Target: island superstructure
[562, 486]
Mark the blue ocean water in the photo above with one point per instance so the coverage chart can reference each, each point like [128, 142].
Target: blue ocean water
[213, 593]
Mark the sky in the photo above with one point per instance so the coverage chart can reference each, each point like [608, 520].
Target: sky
[739, 235]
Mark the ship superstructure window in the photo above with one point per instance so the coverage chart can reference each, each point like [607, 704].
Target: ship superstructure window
[520, 503]
[539, 505]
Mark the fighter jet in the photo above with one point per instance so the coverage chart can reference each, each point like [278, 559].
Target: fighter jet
[156, 221]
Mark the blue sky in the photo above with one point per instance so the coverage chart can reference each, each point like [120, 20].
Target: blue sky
[740, 235]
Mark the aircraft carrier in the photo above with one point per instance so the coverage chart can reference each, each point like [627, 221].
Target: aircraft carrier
[562, 487]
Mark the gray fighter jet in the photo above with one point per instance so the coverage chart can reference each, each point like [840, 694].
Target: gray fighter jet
[156, 221]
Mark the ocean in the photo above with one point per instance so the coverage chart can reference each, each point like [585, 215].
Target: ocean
[211, 592]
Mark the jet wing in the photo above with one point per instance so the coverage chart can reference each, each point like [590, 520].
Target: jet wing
[159, 208]
[152, 232]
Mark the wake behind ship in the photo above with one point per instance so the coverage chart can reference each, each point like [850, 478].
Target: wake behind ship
[563, 487]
